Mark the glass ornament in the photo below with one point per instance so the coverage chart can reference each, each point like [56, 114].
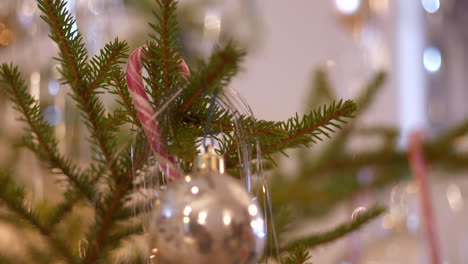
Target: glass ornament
[207, 217]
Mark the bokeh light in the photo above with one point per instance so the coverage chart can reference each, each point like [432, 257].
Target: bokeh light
[432, 59]
[347, 7]
[431, 6]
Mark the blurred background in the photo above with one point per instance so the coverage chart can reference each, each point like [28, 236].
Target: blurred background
[421, 44]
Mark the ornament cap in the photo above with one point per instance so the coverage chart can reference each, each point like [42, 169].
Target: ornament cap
[209, 161]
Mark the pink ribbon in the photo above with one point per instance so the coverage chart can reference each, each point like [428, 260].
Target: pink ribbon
[146, 114]
[420, 170]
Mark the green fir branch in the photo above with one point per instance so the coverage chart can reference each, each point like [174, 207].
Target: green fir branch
[296, 132]
[37, 255]
[135, 209]
[112, 204]
[336, 146]
[222, 122]
[8, 260]
[62, 209]
[73, 55]
[115, 119]
[162, 62]
[298, 255]
[13, 197]
[217, 73]
[386, 132]
[334, 179]
[104, 65]
[370, 91]
[11, 218]
[336, 233]
[162, 55]
[448, 138]
[104, 224]
[78, 74]
[40, 135]
[114, 239]
[311, 127]
[321, 90]
[362, 159]
[120, 89]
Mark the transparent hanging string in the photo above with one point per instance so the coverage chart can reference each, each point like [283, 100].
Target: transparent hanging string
[231, 100]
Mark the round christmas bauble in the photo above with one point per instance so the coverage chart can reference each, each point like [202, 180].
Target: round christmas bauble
[206, 217]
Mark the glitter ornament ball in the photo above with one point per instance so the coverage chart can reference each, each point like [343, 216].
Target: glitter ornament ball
[206, 217]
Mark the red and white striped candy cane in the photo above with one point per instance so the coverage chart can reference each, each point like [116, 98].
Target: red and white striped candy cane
[420, 170]
[145, 112]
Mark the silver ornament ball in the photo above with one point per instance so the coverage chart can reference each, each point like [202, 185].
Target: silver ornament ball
[206, 217]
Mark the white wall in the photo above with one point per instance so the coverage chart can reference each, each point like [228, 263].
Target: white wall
[299, 36]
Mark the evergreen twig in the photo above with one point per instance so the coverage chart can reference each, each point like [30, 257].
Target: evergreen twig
[298, 255]
[107, 61]
[106, 218]
[120, 88]
[41, 139]
[222, 65]
[163, 53]
[312, 126]
[13, 197]
[335, 147]
[321, 90]
[293, 133]
[448, 137]
[8, 260]
[339, 231]
[80, 76]
[62, 209]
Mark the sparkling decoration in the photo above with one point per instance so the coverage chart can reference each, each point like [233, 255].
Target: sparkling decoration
[207, 217]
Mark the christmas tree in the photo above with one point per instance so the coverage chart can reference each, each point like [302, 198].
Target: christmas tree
[96, 214]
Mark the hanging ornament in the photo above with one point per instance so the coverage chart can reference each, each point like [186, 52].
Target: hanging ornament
[206, 217]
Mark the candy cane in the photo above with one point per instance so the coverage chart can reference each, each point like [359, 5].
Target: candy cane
[145, 112]
[420, 170]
